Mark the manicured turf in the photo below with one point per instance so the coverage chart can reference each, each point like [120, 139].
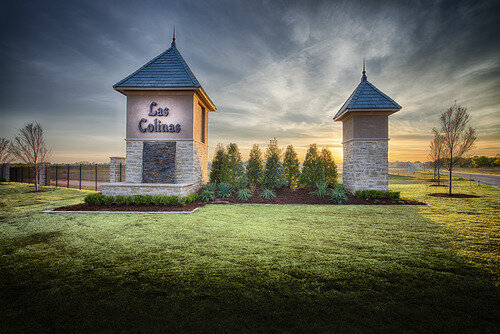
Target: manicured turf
[251, 268]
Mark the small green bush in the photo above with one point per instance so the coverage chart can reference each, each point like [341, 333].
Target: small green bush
[139, 200]
[207, 195]
[267, 194]
[376, 194]
[3, 179]
[338, 194]
[95, 199]
[244, 194]
[121, 200]
[321, 189]
[129, 200]
[109, 200]
[225, 189]
[157, 200]
[189, 199]
[170, 200]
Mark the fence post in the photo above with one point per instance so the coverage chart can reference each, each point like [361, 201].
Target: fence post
[95, 177]
[80, 178]
[21, 170]
[56, 175]
[67, 177]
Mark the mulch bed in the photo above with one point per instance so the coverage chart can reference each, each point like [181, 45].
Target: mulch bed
[453, 195]
[283, 196]
[438, 185]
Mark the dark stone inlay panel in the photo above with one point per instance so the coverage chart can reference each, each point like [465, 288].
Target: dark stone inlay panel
[158, 162]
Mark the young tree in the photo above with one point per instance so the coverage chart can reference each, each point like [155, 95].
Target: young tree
[254, 166]
[291, 166]
[329, 167]
[274, 174]
[436, 153]
[458, 138]
[219, 173]
[312, 168]
[236, 170]
[29, 146]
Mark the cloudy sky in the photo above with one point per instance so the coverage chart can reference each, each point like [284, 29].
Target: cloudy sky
[273, 68]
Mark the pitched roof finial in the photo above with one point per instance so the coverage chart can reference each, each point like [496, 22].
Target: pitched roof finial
[363, 78]
[173, 40]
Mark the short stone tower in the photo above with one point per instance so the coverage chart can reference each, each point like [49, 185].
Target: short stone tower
[167, 129]
[365, 135]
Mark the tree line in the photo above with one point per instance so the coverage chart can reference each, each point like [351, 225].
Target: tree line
[274, 169]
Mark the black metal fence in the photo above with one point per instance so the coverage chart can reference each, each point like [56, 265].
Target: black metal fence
[80, 176]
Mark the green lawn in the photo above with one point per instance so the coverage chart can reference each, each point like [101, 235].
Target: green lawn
[252, 268]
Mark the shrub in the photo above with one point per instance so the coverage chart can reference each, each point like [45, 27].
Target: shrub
[225, 190]
[189, 199]
[109, 200]
[157, 200]
[244, 195]
[254, 166]
[321, 189]
[219, 171]
[207, 195]
[312, 168]
[267, 193]
[375, 194]
[121, 200]
[170, 200]
[3, 179]
[141, 199]
[274, 174]
[236, 175]
[329, 167]
[95, 199]
[291, 166]
[338, 194]
[129, 200]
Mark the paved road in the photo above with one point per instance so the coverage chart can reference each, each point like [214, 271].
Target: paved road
[492, 180]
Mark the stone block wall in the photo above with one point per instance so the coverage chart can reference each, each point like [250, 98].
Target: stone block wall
[130, 189]
[184, 161]
[365, 165]
[133, 169]
[114, 169]
[200, 164]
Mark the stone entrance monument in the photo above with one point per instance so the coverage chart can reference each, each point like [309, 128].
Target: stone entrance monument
[167, 130]
[365, 135]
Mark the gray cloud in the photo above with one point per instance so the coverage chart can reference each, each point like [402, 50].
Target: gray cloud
[274, 68]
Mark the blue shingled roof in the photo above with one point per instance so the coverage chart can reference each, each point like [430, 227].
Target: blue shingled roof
[367, 96]
[166, 70]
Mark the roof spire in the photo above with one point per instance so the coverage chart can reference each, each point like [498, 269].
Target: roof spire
[363, 78]
[173, 40]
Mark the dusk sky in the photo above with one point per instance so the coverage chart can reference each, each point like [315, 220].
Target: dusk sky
[273, 68]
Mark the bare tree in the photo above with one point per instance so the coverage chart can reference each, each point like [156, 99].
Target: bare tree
[29, 146]
[458, 138]
[5, 155]
[436, 153]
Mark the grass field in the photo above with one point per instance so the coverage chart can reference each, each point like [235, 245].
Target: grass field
[252, 268]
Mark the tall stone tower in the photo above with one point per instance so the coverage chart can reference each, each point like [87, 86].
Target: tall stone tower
[365, 135]
[167, 129]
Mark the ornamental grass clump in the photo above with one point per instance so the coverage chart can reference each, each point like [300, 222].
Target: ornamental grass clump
[207, 195]
[244, 194]
[267, 193]
[321, 189]
[210, 187]
[338, 194]
[225, 190]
